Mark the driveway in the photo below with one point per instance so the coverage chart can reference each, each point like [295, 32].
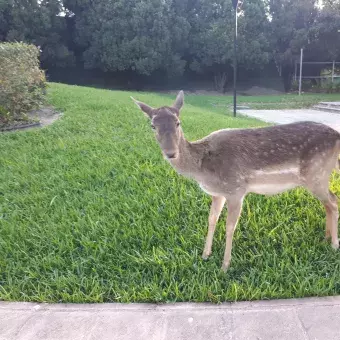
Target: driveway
[291, 116]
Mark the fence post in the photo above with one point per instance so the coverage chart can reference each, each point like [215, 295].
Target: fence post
[333, 69]
[300, 80]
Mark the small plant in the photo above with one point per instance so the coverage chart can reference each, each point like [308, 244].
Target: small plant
[295, 85]
[306, 85]
[22, 82]
[337, 88]
[5, 117]
[317, 88]
[331, 87]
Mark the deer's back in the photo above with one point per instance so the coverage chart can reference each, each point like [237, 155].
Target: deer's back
[244, 150]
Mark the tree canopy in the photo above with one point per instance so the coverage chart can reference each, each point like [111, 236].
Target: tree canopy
[172, 36]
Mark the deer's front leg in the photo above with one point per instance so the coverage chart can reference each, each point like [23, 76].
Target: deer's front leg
[234, 212]
[215, 211]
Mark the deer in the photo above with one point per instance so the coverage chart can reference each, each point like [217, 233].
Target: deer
[230, 163]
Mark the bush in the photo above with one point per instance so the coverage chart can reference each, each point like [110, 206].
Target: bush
[306, 85]
[295, 85]
[321, 87]
[330, 87]
[22, 82]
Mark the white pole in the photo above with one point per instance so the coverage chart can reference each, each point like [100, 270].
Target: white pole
[333, 71]
[300, 80]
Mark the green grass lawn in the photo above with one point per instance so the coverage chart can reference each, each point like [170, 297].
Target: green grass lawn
[90, 212]
[285, 101]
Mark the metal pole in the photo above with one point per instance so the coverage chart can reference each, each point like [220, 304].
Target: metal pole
[235, 60]
[300, 80]
[333, 69]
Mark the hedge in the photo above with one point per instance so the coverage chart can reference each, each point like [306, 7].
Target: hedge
[22, 82]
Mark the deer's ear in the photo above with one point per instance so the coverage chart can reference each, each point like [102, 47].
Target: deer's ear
[148, 110]
[179, 100]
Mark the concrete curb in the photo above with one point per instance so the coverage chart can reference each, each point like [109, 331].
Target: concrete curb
[226, 306]
[295, 319]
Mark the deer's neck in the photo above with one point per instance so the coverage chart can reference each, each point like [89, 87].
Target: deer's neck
[188, 160]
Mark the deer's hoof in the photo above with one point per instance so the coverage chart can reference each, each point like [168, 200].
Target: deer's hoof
[335, 246]
[225, 267]
[205, 255]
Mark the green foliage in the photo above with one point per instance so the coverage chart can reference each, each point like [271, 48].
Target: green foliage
[289, 31]
[213, 43]
[301, 24]
[22, 82]
[289, 28]
[325, 35]
[38, 23]
[212, 40]
[330, 87]
[321, 87]
[166, 37]
[141, 36]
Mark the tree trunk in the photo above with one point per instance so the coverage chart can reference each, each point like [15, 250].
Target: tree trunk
[287, 74]
[220, 80]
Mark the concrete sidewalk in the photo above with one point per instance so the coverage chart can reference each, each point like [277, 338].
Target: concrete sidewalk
[291, 116]
[316, 318]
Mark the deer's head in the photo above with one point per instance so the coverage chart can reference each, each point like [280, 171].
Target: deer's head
[165, 122]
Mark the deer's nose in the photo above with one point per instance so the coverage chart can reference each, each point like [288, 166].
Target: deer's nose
[171, 155]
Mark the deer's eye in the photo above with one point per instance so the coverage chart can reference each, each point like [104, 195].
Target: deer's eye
[153, 127]
[177, 124]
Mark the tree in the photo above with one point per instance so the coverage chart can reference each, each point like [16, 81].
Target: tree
[166, 37]
[212, 41]
[142, 36]
[325, 33]
[5, 8]
[290, 26]
[38, 23]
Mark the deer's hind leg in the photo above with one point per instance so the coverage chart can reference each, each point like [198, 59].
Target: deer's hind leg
[317, 176]
[330, 202]
[215, 212]
[333, 212]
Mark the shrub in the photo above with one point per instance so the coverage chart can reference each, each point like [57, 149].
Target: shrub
[295, 85]
[331, 87]
[22, 82]
[306, 85]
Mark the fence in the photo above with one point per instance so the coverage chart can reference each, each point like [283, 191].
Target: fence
[321, 66]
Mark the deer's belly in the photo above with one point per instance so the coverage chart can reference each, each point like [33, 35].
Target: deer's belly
[270, 189]
[272, 182]
[213, 191]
